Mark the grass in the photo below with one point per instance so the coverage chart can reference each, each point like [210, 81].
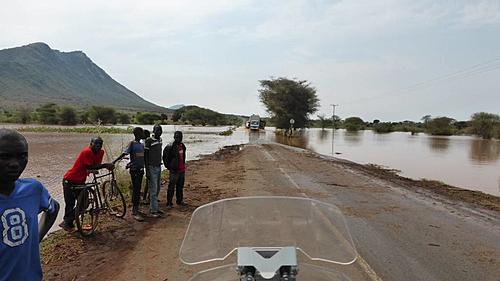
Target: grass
[86, 130]
[227, 132]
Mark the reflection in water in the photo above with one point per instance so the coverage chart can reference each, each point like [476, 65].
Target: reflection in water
[296, 141]
[439, 144]
[253, 136]
[323, 135]
[484, 151]
[462, 161]
[354, 137]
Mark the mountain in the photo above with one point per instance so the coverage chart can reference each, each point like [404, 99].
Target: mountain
[36, 74]
[177, 106]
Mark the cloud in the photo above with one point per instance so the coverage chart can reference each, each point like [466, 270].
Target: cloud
[482, 13]
[193, 51]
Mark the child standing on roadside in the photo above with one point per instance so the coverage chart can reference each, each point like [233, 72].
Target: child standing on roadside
[136, 166]
[21, 200]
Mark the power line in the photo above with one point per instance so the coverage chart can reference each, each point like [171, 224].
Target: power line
[476, 69]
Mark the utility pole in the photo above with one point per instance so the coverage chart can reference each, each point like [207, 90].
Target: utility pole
[333, 125]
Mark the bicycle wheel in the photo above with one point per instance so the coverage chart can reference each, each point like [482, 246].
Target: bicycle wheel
[87, 212]
[114, 199]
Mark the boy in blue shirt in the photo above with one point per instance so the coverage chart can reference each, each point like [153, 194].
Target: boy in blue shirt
[136, 166]
[21, 200]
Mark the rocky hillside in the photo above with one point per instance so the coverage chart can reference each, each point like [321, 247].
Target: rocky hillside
[36, 74]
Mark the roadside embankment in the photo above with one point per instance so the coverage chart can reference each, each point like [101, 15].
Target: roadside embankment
[105, 255]
[402, 228]
[458, 194]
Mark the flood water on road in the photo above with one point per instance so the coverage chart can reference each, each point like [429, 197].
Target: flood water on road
[462, 161]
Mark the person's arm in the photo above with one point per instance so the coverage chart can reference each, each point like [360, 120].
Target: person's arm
[147, 146]
[184, 156]
[93, 163]
[47, 219]
[49, 209]
[109, 166]
[167, 157]
[126, 152]
[119, 157]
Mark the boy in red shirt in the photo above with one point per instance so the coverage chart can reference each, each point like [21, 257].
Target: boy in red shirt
[174, 159]
[90, 158]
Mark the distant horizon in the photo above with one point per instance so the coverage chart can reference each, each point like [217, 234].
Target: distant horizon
[386, 60]
[313, 117]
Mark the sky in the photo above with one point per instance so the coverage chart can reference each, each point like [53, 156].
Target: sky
[387, 60]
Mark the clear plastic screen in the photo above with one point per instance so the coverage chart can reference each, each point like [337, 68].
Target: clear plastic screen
[315, 228]
[306, 272]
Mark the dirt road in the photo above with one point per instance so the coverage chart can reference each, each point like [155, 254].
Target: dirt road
[401, 233]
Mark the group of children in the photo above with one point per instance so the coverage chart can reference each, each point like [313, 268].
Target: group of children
[22, 200]
[147, 158]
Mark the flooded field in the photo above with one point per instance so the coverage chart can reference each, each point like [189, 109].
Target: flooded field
[462, 161]
[51, 155]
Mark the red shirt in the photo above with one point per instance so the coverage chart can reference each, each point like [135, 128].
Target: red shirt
[78, 173]
[182, 164]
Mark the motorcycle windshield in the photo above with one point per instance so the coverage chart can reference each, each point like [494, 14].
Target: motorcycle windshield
[315, 228]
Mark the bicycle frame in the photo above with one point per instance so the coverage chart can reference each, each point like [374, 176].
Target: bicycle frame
[97, 185]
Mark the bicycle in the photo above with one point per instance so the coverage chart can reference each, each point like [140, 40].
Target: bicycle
[90, 202]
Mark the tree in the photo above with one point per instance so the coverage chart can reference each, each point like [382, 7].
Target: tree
[47, 114]
[146, 118]
[383, 127]
[84, 117]
[67, 116]
[122, 118]
[426, 118]
[484, 124]
[106, 115]
[23, 115]
[440, 126]
[354, 124]
[202, 116]
[176, 116]
[286, 99]
[323, 122]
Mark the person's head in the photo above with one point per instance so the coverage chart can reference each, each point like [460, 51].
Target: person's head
[157, 130]
[147, 134]
[138, 133]
[178, 137]
[13, 155]
[96, 144]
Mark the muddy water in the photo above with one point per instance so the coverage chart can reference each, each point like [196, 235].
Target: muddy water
[458, 160]
[52, 154]
[463, 161]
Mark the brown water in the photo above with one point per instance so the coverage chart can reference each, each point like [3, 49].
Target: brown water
[462, 161]
[52, 154]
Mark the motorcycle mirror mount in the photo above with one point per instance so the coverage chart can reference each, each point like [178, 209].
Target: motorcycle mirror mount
[267, 263]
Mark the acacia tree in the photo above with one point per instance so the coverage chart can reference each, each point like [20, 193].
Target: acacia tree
[354, 124]
[23, 114]
[286, 99]
[440, 126]
[67, 116]
[47, 113]
[484, 124]
[106, 115]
